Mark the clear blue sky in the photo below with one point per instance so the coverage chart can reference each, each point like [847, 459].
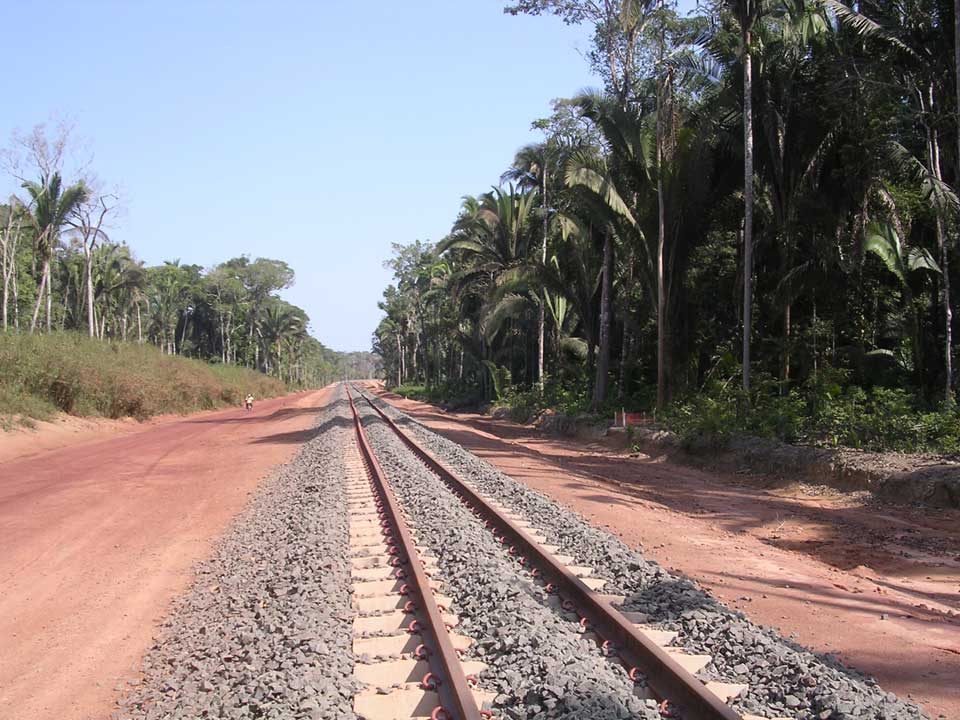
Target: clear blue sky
[314, 132]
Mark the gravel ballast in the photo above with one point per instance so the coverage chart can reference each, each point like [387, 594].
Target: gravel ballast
[785, 679]
[265, 630]
[538, 662]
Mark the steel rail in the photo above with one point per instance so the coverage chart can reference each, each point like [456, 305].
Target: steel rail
[456, 697]
[664, 675]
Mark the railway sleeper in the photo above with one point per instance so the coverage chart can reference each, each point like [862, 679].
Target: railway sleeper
[690, 662]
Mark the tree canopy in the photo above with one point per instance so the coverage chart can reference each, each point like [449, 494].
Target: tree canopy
[759, 204]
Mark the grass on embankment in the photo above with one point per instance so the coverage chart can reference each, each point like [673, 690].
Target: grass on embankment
[43, 374]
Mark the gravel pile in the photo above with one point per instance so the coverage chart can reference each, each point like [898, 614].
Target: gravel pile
[784, 678]
[265, 631]
[539, 663]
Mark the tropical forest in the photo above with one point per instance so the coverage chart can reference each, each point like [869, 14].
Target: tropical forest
[748, 226]
[88, 328]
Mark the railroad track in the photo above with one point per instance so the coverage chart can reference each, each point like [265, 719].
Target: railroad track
[668, 673]
[401, 615]
[327, 599]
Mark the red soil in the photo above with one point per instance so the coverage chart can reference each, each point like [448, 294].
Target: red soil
[879, 585]
[98, 535]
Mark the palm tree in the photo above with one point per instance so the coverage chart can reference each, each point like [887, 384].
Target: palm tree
[119, 283]
[493, 235]
[902, 261]
[614, 193]
[530, 167]
[747, 14]
[52, 206]
[280, 324]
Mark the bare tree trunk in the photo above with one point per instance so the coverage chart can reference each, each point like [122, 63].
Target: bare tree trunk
[183, 335]
[399, 361]
[815, 360]
[543, 260]
[66, 304]
[49, 298]
[956, 68]
[661, 242]
[603, 361]
[88, 261]
[624, 359]
[39, 303]
[16, 300]
[747, 206]
[933, 146]
[786, 347]
[10, 267]
[4, 240]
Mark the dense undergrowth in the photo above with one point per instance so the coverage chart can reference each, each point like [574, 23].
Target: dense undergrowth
[826, 410]
[68, 372]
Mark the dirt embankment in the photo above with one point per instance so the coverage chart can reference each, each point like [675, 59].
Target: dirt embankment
[912, 478]
[932, 480]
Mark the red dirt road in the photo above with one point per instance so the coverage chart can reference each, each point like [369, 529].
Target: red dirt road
[97, 538]
[878, 585]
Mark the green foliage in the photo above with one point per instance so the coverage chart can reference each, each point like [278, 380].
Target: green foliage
[854, 218]
[823, 411]
[40, 374]
[500, 377]
[412, 392]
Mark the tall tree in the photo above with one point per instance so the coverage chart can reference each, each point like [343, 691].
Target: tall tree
[88, 220]
[51, 207]
[747, 14]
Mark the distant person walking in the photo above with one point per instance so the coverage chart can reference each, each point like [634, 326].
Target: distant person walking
[248, 403]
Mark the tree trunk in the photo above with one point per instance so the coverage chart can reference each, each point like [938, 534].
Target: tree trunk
[786, 348]
[399, 361]
[9, 265]
[624, 359]
[66, 304]
[16, 300]
[139, 326]
[49, 298]
[183, 335]
[223, 340]
[88, 262]
[603, 361]
[543, 260]
[956, 68]
[661, 242]
[933, 146]
[747, 206]
[815, 361]
[39, 303]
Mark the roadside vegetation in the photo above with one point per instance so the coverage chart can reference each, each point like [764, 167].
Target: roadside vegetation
[87, 328]
[750, 228]
[67, 372]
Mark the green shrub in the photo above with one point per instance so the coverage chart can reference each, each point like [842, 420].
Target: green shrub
[822, 411]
